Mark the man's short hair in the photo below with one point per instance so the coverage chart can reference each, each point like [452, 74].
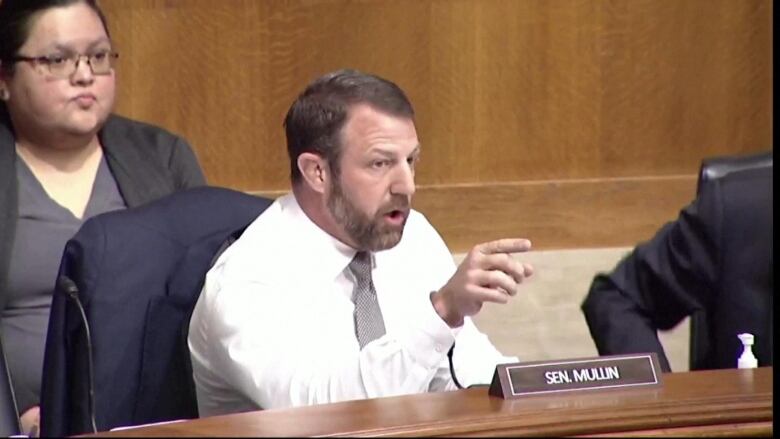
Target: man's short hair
[314, 121]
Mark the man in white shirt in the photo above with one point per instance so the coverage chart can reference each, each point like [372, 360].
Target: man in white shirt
[339, 290]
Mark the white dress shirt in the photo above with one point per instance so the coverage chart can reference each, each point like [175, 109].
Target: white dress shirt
[274, 326]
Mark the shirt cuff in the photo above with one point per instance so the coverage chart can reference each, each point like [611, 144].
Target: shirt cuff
[430, 338]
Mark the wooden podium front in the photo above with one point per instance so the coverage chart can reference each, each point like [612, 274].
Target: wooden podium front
[728, 402]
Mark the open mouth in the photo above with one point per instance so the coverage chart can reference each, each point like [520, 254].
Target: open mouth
[396, 216]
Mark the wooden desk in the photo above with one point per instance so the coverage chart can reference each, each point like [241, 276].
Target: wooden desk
[708, 403]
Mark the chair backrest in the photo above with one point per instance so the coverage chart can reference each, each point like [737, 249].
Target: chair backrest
[716, 167]
[9, 413]
[700, 349]
[139, 274]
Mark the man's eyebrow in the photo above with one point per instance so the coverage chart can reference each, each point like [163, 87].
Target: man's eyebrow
[389, 154]
[415, 152]
[382, 151]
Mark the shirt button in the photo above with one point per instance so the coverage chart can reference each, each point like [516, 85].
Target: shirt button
[438, 349]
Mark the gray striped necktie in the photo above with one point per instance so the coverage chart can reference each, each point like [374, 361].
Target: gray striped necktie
[369, 324]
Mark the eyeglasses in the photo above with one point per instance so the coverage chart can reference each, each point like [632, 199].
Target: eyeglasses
[60, 66]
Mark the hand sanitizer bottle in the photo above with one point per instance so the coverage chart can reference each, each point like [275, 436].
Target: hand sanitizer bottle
[747, 360]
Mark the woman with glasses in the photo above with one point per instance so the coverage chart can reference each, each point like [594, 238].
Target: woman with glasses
[64, 157]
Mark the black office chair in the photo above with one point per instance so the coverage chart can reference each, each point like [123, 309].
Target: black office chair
[9, 413]
[139, 273]
[716, 167]
[712, 169]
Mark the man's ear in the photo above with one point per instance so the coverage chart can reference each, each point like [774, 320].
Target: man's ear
[315, 171]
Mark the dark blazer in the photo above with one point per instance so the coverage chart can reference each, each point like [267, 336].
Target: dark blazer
[139, 273]
[146, 161]
[716, 257]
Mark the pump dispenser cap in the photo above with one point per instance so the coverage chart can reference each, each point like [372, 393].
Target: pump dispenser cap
[747, 360]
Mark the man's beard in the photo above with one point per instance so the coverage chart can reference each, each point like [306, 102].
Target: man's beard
[370, 234]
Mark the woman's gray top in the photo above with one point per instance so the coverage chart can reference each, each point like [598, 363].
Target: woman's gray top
[42, 229]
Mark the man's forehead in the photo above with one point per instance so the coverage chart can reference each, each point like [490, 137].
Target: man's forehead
[370, 125]
[364, 111]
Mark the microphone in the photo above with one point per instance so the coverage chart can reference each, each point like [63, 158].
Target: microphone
[452, 368]
[452, 371]
[67, 285]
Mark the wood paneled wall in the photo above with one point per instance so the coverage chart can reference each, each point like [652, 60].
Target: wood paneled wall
[570, 122]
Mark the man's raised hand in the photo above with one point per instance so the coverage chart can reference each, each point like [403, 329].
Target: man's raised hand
[488, 273]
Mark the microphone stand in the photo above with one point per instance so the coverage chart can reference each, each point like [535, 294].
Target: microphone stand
[70, 288]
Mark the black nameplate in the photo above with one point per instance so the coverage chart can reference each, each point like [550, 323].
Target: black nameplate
[515, 380]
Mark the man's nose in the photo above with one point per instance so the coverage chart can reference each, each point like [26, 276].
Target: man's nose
[404, 181]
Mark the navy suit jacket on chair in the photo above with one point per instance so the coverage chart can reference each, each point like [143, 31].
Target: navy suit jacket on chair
[139, 274]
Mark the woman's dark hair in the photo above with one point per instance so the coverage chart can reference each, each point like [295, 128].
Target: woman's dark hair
[314, 121]
[16, 20]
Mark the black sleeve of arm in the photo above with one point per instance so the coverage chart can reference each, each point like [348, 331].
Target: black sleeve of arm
[617, 324]
[656, 286]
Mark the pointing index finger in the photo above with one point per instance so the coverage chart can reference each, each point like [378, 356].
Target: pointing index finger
[506, 245]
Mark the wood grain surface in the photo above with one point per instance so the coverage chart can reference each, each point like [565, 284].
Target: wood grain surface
[712, 403]
[553, 214]
[506, 91]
